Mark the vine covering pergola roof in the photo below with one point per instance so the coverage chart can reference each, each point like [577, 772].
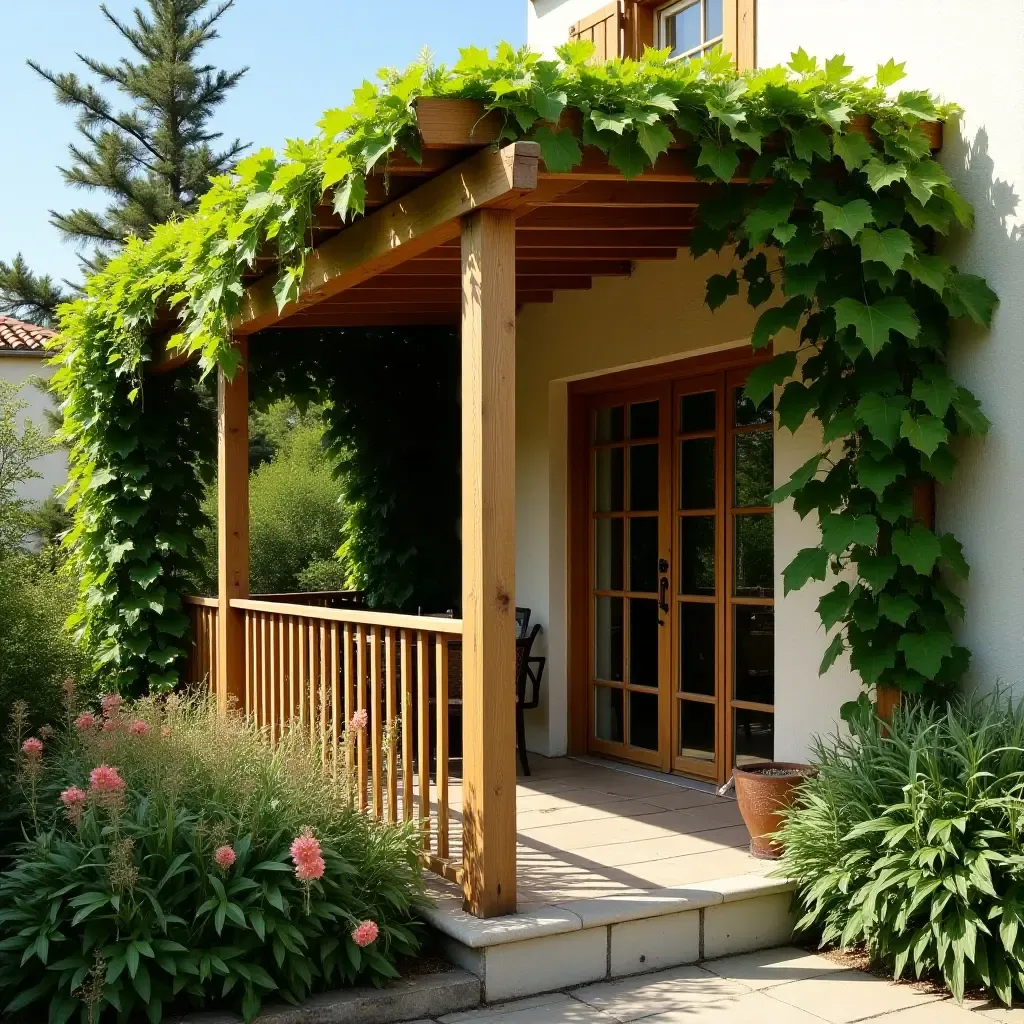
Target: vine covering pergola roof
[830, 174]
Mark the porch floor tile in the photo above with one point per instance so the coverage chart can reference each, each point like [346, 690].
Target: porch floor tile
[587, 831]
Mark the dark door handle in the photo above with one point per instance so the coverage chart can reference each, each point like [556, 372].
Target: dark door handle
[663, 595]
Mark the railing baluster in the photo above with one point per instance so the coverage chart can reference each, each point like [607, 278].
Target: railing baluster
[274, 684]
[324, 655]
[303, 673]
[361, 706]
[407, 728]
[312, 681]
[423, 753]
[293, 672]
[390, 720]
[347, 683]
[375, 722]
[264, 674]
[282, 666]
[441, 775]
[335, 700]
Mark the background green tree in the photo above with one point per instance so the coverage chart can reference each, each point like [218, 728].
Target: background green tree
[152, 160]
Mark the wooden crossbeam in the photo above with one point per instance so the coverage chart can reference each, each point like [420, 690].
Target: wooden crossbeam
[426, 296]
[410, 226]
[582, 265]
[613, 218]
[388, 318]
[390, 283]
[639, 194]
[598, 238]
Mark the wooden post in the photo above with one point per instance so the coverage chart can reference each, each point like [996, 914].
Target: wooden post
[488, 562]
[232, 528]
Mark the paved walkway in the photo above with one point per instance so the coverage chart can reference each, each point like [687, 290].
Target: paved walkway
[779, 986]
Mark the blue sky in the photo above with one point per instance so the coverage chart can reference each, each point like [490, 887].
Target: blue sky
[304, 56]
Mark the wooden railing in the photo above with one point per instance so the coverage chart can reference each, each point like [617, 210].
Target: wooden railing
[324, 670]
[202, 660]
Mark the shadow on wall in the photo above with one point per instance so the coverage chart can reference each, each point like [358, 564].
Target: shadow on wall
[981, 504]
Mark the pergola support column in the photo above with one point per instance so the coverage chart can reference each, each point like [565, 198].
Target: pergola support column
[488, 562]
[232, 528]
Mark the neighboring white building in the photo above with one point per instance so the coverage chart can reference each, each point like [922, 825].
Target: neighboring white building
[969, 53]
[23, 360]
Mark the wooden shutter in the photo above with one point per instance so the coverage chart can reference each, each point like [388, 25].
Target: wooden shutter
[739, 17]
[604, 29]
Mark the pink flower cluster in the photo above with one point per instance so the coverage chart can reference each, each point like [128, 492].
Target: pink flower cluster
[360, 720]
[224, 857]
[366, 933]
[105, 779]
[111, 704]
[86, 721]
[305, 851]
[139, 728]
[74, 800]
[32, 748]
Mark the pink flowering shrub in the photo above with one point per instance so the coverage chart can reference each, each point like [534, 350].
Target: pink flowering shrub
[235, 844]
[360, 719]
[111, 704]
[365, 934]
[86, 721]
[32, 748]
[224, 857]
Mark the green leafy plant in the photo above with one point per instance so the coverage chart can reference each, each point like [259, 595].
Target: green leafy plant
[847, 202]
[164, 874]
[295, 518]
[908, 842]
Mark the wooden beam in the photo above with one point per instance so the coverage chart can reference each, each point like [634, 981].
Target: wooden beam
[488, 563]
[232, 529]
[390, 318]
[405, 228]
[456, 124]
[640, 194]
[598, 238]
[443, 256]
[606, 218]
[402, 287]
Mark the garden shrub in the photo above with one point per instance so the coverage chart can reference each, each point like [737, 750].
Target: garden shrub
[176, 860]
[908, 843]
[36, 653]
[296, 522]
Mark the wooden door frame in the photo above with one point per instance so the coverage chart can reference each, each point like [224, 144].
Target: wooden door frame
[738, 357]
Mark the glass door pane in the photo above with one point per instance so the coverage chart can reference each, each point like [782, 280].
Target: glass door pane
[629, 552]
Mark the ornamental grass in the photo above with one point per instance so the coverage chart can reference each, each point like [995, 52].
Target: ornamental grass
[173, 860]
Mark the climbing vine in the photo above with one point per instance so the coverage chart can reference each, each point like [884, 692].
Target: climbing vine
[835, 220]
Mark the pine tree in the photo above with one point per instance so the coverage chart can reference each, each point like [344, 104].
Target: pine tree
[154, 160]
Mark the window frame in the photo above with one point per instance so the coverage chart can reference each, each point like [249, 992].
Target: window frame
[706, 45]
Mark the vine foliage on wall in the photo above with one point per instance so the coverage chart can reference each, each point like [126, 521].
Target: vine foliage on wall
[833, 227]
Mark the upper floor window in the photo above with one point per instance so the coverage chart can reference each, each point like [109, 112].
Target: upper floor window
[690, 28]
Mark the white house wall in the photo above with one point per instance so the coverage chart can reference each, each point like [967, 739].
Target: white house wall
[548, 21]
[970, 52]
[53, 467]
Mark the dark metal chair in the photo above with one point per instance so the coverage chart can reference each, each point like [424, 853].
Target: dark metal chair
[526, 672]
[522, 622]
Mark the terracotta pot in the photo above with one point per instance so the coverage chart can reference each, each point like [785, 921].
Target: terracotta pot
[763, 798]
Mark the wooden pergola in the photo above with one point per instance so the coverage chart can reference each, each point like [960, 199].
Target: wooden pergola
[465, 237]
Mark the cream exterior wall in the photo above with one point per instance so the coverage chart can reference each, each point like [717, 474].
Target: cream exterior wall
[967, 51]
[548, 21]
[656, 315]
[53, 467]
[970, 52]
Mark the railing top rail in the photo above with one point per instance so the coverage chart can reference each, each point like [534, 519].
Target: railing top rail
[427, 623]
[203, 602]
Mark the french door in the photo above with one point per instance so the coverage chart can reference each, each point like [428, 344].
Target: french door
[681, 663]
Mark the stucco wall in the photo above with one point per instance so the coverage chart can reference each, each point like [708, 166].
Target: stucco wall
[970, 53]
[53, 467]
[548, 21]
[656, 315]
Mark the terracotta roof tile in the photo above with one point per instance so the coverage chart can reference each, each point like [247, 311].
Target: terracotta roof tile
[18, 336]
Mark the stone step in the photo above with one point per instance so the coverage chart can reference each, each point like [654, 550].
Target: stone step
[581, 941]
